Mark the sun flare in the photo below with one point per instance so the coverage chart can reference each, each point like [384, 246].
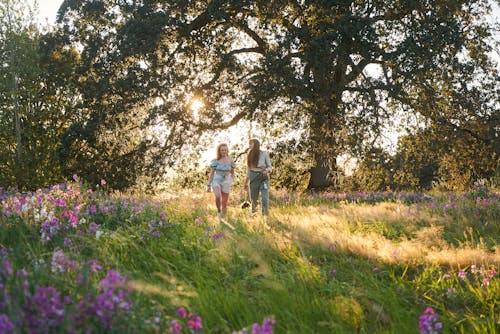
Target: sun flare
[196, 105]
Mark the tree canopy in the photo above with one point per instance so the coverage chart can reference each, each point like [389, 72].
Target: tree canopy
[35, 100]
[337, 69]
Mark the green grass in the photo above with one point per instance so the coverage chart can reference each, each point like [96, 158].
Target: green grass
[391, 262]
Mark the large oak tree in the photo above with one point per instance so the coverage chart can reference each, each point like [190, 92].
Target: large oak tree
[339, 69]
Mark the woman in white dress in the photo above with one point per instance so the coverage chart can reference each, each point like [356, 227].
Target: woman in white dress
[220, 178]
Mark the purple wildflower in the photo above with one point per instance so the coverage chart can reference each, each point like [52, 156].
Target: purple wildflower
[175, 327]
[265, 328]
[60, 202]
[6, 326]
[194, 322]
[4, 253]
[45, 310]
[22, 273]
[427, 322]
[68, 242]
[462, 274]
[181, 312]
[113, 300]
[61, 263]
[93, 227]
[163, 216]
[7, 268]
[50, 228]
[217, 236]
[92, 209]
[109, 303]
[94, 266]
[112, 278]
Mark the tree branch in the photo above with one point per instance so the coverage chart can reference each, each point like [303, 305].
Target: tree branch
[222, 64]
[357, 69]
[262, 46]
[204, 18]
[443, 121]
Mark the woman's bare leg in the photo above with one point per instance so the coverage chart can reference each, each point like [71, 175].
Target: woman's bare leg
[217, 193]
[225, 200]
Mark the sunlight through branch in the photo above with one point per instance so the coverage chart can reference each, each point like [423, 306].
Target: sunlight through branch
[196, 105]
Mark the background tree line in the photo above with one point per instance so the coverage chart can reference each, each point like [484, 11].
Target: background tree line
[107, 92]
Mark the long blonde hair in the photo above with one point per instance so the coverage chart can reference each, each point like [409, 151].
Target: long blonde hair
[253, 154]
[218, 154]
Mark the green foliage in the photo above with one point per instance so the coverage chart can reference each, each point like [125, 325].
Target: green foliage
[290, 165]
[111, 88]
[18, 75]
[435, 157]
[374, 173]
[302, 65]
[36, 102]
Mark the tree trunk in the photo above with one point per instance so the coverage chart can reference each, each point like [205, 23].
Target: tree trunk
[13, 48]
[324, 124]
[319, 178]
[323, 144]
[320, 173]
[19, 144]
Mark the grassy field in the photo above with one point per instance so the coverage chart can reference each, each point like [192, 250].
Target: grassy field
[82, 261]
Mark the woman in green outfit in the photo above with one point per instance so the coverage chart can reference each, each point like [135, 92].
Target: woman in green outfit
[258, 169]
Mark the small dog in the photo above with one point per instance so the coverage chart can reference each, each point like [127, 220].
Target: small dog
[245, 204]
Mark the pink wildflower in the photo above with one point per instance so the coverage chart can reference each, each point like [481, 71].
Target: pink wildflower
[181, 312]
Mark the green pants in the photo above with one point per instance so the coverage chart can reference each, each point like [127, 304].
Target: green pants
[259, 183]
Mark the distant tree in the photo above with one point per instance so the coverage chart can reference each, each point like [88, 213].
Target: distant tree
[417, 161]
[336, 69]
[374, 172]
[434, 156]
[17, 77]
[57, 97]
[34, 112]
[446, 157]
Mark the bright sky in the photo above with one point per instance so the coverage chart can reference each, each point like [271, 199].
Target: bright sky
[48, 9]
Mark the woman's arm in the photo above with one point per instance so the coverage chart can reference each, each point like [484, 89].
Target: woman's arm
[269, 167]
[210, 179]
[247, 180]
[233, 166]
[267, 163]
[211, 176]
